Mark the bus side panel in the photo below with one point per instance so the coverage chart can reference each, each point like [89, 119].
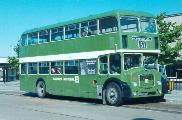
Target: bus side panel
[62, 85]
[88, 44]
[27, 83]
[86, 87]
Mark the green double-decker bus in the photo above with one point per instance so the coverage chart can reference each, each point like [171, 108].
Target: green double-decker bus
[110, 56]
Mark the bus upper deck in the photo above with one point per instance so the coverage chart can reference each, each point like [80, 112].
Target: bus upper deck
[113, 30]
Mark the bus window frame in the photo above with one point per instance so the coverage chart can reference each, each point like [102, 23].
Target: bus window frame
[36, 66]
[141, 63]
[50, 67]
[29, 38]
[156, 62]
[107, 55]
[117, 28]
[88, 26]
[26, 40]
[155, 21]
[108, 64]
[120, 64]
[79, 29]
[40, 66]
[74, 63]
[71, 29]
[155, 33]
[21, 69]
[138, 19]
[49, 31]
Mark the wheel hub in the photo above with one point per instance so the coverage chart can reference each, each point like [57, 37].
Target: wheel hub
[112, 95]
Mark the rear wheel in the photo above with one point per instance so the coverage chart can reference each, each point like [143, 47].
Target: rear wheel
[114, 95]
[41, 89]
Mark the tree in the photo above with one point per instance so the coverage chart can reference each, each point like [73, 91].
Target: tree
[16, 49]
[170, 36]
[14, 61]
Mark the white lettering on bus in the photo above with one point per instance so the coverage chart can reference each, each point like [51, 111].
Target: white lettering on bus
[68, 79]
[57, 78]
[74, 79]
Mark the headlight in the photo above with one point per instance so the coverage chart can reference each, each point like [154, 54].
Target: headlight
[134, 93]
[134, 84]
[159, 83]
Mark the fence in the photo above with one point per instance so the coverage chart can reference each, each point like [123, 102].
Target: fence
[176, 84]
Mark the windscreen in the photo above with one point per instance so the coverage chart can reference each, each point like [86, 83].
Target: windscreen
[132, 60]
[150, 61]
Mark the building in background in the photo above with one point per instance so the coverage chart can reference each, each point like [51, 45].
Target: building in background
[6, 73]
[175, 70]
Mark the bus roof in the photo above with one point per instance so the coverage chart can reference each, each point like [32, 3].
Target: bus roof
[90, 17]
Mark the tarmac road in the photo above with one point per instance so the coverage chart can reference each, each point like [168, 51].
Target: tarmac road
[19, 106]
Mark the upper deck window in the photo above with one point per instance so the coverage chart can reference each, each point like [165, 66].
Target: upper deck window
[148, 25]
[129, 24]
[72, 31]
[24, 40]
[57, 34]
[108, 24]
[89, 28]
[44, 36]
[32, 38]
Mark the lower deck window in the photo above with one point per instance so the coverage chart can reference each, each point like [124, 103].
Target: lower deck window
[103, 65]
[115, 64]
[44, 68]
[24, 68]
[56, 67]
[32, 68]
[132, 60]
[71, 67]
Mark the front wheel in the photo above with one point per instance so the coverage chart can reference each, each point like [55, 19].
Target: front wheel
[41, 89]
[114, 95]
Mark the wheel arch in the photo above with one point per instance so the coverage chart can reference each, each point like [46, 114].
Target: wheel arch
[115, 80]
[39, 79]
[123, 85]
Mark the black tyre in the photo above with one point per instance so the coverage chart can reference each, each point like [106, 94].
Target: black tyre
[41, 89]
[114, 94]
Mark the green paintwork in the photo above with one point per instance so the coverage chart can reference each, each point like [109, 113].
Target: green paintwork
[72, 46]
[85, 87]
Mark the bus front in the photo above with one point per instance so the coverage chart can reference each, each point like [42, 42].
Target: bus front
[140, 50]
